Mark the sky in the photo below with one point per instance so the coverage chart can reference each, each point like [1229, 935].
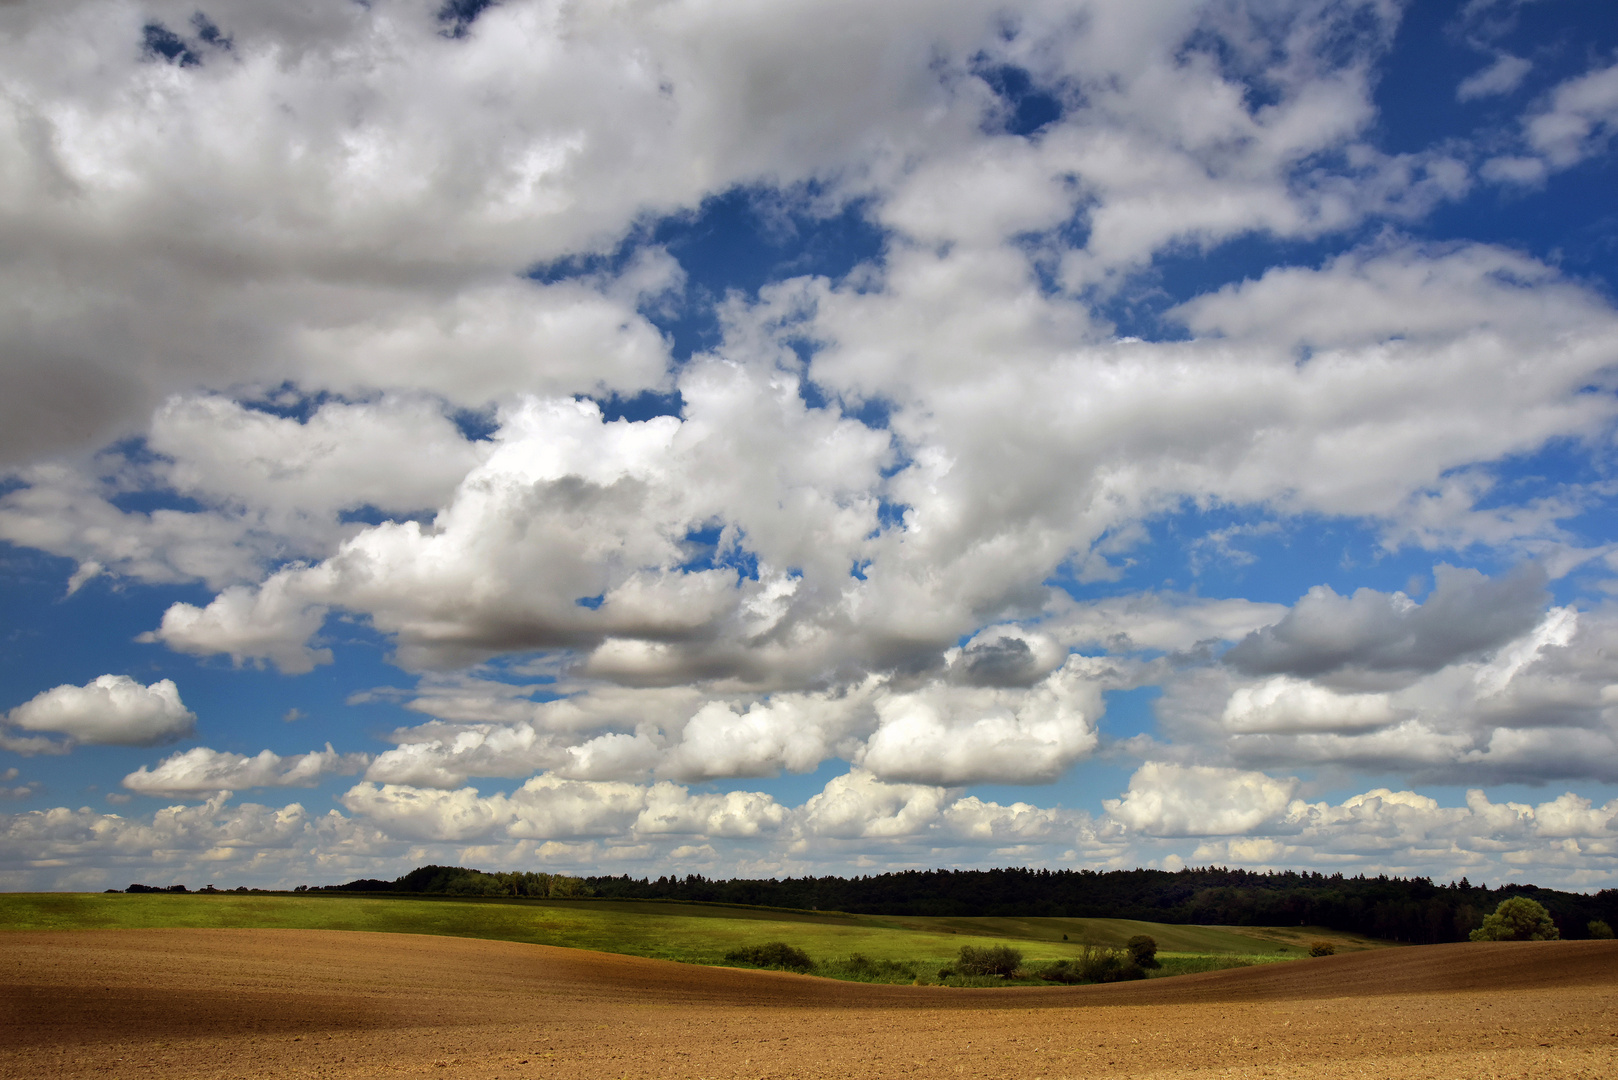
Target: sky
[807, 436]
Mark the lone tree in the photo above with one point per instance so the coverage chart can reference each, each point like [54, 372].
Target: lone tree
[1517, 919]
[1142, 949]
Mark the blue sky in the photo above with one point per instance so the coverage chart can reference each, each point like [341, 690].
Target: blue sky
[812, 438]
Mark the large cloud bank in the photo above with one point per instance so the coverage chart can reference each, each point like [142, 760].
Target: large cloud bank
[360, 291]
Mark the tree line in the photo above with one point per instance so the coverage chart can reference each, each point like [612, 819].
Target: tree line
[1414, 909]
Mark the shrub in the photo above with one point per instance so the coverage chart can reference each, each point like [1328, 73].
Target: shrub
[1598, 928]
[1322, 948]
[1108, 965]
[1517, 919]
[773, 954]
[1001, 960]
[1143, 950]
[1061, 971]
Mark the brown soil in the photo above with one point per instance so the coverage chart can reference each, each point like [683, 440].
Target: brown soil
[296, 1003]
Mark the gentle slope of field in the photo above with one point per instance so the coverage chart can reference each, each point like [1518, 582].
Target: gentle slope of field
[692, 933]
[252, 1003]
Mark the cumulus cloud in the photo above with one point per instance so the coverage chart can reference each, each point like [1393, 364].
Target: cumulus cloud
[1240, 817]
[464, 751]
[1197, 800]
[112, 709]
[567, 531]
[795, 732]
[946, 736]
[546, 807]
[1283, 704]
[272, 622]
[853, 812]
[1536, 708]
[360, 303]
[204, 771]
[79, 848]
[1567, 837]
[1467, 614]
[671, 808]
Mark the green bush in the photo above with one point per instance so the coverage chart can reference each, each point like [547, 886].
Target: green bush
[773, 954]
[1322, 948]
[1598, 928]
[1517, 919]
[1108, 965]
[1142, 949]
[1001, 960]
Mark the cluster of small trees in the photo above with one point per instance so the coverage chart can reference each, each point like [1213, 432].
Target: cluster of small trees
[772, 954]
[1094, 964]
[1521, 919]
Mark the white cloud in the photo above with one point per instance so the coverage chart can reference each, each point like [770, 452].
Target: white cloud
[857, 804]
[795, 732]
[428, 815]
[62, 847]
[1501, 77]
[1008, 471]
[112, 709]
[671, 808]
[545, 808]
[1283, 704]
[396, 455]
[354, 194]
[272, 622]
[1535, 708]
[857, 821]
[956, 735]
[204, 771]
[67, 513]
[1156, 621]
[1198, 800]
[284, 269]
[1577, 123]
[1402, 832]
[465, 751]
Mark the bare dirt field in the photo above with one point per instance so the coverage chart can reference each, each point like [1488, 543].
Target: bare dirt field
[297, 1003]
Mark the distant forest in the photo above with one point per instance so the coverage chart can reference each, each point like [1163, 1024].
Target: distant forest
[1413, 910]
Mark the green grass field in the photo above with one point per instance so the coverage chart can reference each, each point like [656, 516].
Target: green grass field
[689, 933]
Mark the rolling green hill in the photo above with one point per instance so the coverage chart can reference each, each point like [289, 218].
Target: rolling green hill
[690, 933]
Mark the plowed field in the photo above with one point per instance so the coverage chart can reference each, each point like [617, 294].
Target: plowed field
[298, 1003]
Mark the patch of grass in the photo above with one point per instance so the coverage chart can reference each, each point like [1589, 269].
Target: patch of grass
[888, 949]
[1192, 963]
[861, 968]
[1117, 932]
